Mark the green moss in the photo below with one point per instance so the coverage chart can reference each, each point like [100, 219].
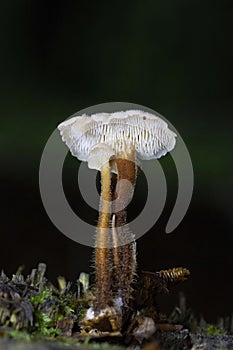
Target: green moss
[212, 330]
[19, 335]
[43, 323]
[45, 295]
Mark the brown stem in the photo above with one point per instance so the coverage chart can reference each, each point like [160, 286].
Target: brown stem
[124, 253]
[102, 271]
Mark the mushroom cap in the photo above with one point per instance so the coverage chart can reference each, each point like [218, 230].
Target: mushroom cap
[86, 135]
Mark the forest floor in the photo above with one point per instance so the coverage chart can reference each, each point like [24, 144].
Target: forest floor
[36, 315]
[182, 340]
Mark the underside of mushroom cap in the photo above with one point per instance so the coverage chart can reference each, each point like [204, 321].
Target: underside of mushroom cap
[147, 133]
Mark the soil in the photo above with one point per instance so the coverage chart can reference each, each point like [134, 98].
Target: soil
[182, 340]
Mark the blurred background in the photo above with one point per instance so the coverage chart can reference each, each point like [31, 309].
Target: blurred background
[175, 57]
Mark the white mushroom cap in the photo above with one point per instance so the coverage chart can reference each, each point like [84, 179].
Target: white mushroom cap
[120, 131]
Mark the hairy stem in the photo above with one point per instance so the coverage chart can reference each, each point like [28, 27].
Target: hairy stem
[125, 252]
[102, 271]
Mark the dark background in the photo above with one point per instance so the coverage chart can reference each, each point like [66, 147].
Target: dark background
[58, 57]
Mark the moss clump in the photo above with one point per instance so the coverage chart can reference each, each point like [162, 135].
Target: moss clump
[35, 307]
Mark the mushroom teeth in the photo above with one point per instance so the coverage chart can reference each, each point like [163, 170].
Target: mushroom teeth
[147, 133]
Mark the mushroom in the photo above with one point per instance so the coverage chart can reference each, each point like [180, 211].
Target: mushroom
[135, 131]
[114, 144]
